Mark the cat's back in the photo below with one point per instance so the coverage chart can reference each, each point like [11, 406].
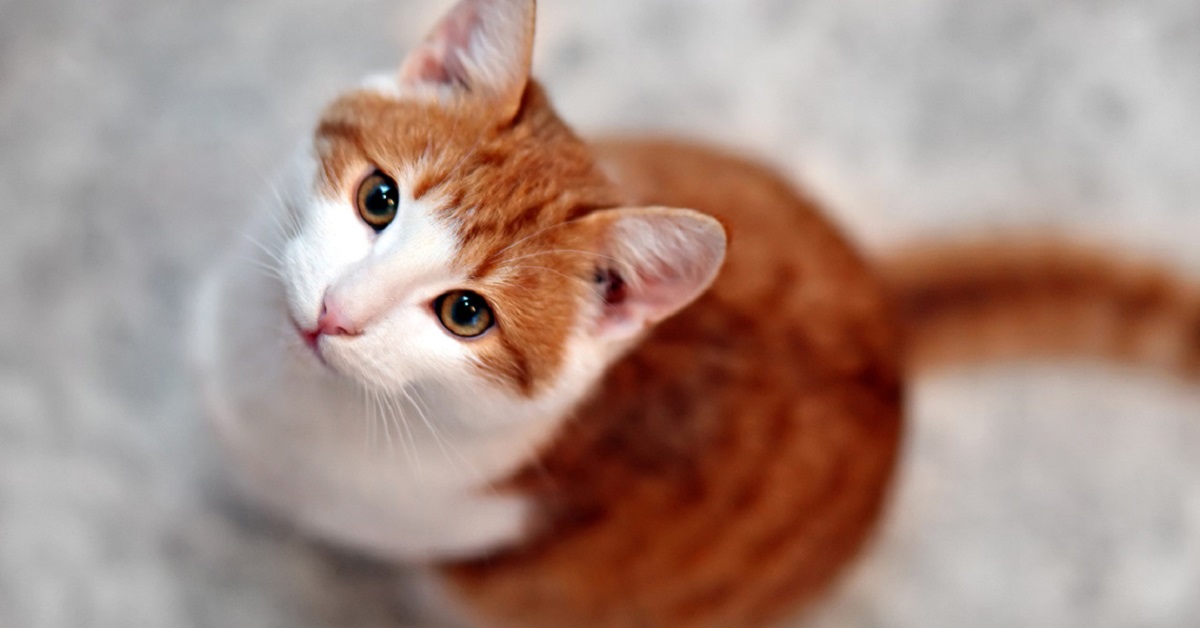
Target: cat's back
[736, 458]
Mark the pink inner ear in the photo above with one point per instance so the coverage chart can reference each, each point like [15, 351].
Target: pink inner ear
[481, 48]
[651, 295]
[439, 59]
[668, 258]
[424, 67]
[662, 288]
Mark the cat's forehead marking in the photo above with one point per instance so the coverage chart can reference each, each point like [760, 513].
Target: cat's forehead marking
[501, 187]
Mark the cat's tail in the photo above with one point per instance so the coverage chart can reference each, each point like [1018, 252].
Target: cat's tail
[1002, 299]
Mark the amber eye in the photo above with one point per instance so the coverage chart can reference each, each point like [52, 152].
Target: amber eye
[378, 200]
[464, 313]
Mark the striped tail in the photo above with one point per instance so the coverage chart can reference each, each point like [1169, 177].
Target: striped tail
[998, 300]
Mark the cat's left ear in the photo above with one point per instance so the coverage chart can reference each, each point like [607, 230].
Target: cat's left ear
[656, 260]
[481, 48]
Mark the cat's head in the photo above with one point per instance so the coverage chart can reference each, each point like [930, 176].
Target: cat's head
[458, 235]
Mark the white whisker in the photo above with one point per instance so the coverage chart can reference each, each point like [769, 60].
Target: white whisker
[394, 415]
[527, 238]
[273, 255]
[581, 280]
[554, 251]
[289, 225]
[272, 271]
[419, 405]
[401, 422]
[387, 432]
[369, 425]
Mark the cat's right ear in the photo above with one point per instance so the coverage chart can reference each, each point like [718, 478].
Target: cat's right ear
[481, 49]
[657, 260]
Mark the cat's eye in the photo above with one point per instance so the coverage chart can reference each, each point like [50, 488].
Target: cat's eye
[378, 200]
[464, 313]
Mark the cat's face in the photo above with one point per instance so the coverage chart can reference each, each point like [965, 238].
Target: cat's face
[453, 232]
[436, 245]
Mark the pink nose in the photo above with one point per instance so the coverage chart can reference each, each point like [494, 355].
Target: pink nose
[334, 322]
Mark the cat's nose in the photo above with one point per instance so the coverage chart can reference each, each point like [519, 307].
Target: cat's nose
[334, 322]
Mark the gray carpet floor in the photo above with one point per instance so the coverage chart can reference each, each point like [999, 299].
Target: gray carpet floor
[135, 135]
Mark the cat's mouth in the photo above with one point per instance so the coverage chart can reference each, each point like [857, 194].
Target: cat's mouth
[312, 339]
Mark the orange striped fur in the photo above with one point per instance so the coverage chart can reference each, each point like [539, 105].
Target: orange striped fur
[998, 299]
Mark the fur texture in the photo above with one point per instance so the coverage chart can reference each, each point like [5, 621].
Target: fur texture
[688, 411]
[995, 299]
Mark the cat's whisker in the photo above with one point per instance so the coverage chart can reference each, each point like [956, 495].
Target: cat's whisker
[535, 234]
[391, 428]
[468, 153]
[580, 280]
[271, 270]
[445, 445]
[272, 254]
[272, 262]
[424, 419]
[280, 202]
[284, 225]
[402, 422]
[369, 411]
[554, 251]
[266, 273]
[371, 437]
[395, 416]
[273, 208]
[382, 419]
[292, 224]
[369, 425]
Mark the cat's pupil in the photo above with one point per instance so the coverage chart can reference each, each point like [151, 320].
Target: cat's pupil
[378, 200]
[382, 200]
[467, 309]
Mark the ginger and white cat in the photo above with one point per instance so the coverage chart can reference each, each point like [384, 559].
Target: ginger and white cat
[635, 383]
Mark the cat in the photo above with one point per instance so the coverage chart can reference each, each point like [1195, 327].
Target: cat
[635, 382]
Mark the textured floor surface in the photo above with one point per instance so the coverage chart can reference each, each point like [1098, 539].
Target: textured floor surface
[135, 135]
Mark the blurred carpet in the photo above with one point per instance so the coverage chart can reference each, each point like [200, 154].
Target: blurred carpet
[135, 136]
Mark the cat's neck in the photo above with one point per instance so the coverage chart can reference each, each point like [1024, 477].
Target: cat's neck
[482, 438]
[438, 437]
